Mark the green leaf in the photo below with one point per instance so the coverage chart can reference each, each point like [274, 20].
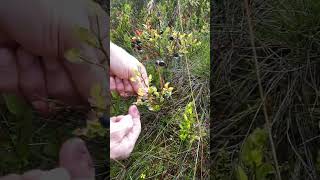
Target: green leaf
[73, 55]
[15, 105]
[84, 35]
[241, 174]
[259, 137]
[97, 98]
[256, 156]
[264, 170]
[252, 151]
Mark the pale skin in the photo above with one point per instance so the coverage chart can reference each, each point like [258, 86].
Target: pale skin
[32, 63]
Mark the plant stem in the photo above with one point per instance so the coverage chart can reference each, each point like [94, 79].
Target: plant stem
[267, 120]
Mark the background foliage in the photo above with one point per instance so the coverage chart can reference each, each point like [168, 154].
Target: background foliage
[286, 41]
[173, 142]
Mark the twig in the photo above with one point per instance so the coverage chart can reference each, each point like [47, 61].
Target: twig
[268, 124]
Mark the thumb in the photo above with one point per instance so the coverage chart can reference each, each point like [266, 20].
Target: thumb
[121, 128]
[134, 112]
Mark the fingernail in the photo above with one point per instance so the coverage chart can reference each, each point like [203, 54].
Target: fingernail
[135, 110]
[40, 106]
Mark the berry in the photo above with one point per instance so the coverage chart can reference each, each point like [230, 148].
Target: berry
[161, 63]
[171, 38]
[105, 121]
[138, 42]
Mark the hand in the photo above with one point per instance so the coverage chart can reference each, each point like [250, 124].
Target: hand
[123, 67]
[75, 164]
[32, 47]
[124, 132]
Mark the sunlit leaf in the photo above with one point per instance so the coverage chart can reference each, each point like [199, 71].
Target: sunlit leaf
[133, 79]
[141, 92]
[97, 96]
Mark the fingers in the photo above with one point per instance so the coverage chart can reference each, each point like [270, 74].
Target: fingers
[128, 87]
[84, 76]
[58, 173]
[123, 87]
[122, 148]
[31, 80]
[33, 174]
[75, 157]
[8, 71]
[119, 85]
[134, 112]
[119, 128]
[113, 86]
[59, 85]
[134, 134]
[116, 119]
[11, 177]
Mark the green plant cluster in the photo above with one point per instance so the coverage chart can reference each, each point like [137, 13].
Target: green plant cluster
[188, 125]
[155, 97]
[123, 26]
[94, 127]
[168, 44]
[165, 36]
[252, 156]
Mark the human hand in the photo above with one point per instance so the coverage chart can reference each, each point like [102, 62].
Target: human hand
[124, 132]
[124, 66]
[33, 40]
[75, 164]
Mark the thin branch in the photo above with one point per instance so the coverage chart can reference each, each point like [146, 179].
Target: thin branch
[267, 120]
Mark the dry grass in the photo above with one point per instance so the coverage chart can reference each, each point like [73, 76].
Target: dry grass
[290, 80]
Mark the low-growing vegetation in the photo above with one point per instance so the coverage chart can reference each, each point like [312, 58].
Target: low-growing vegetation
[171, 38]
[265, 84]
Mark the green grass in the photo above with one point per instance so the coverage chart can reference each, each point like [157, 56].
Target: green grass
[159, 152]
